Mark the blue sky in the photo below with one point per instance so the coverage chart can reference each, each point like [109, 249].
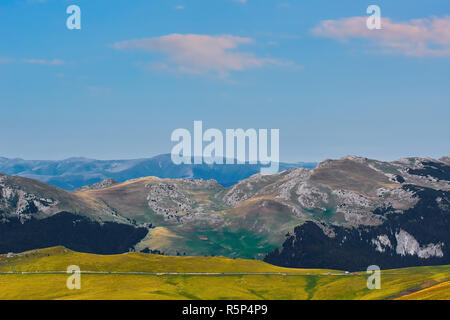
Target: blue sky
[137, 70]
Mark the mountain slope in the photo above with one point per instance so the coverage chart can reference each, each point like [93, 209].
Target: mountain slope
[388, 214]
[34, 214]
[343, 214]
[25, 198]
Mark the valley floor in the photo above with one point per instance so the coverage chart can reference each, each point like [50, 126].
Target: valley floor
[39, 274]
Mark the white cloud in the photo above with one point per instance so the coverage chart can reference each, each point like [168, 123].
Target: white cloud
[199, 54]
[416, 37]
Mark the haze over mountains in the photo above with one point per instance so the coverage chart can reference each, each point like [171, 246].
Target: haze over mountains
[344, 214]
[73, 173]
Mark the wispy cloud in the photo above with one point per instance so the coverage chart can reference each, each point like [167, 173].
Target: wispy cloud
[99, 91]
[54, 62]
[417, 37]
[284, 5]
[199, 54]
[179, 7]
[4, 60]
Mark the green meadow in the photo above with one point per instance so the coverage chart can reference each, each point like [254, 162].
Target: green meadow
[39, 274]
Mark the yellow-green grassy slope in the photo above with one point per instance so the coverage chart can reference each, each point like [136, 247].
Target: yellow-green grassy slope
[289, 284]
[440, 291]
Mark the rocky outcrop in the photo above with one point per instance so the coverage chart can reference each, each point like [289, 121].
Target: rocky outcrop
[99, 185]
[14, 201]
[167, 199]
[408, 245]
[414, 237]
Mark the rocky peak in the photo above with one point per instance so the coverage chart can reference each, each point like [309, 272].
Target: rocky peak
[445, 159]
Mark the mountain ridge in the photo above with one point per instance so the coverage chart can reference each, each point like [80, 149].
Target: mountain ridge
[76, 172]
[380, 207]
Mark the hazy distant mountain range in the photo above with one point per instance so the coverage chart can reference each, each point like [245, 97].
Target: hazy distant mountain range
[74, 173]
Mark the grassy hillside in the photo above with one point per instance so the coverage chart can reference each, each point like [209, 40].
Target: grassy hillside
[251, 230]
[58, 258]
[281, 283]
[440, 291]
